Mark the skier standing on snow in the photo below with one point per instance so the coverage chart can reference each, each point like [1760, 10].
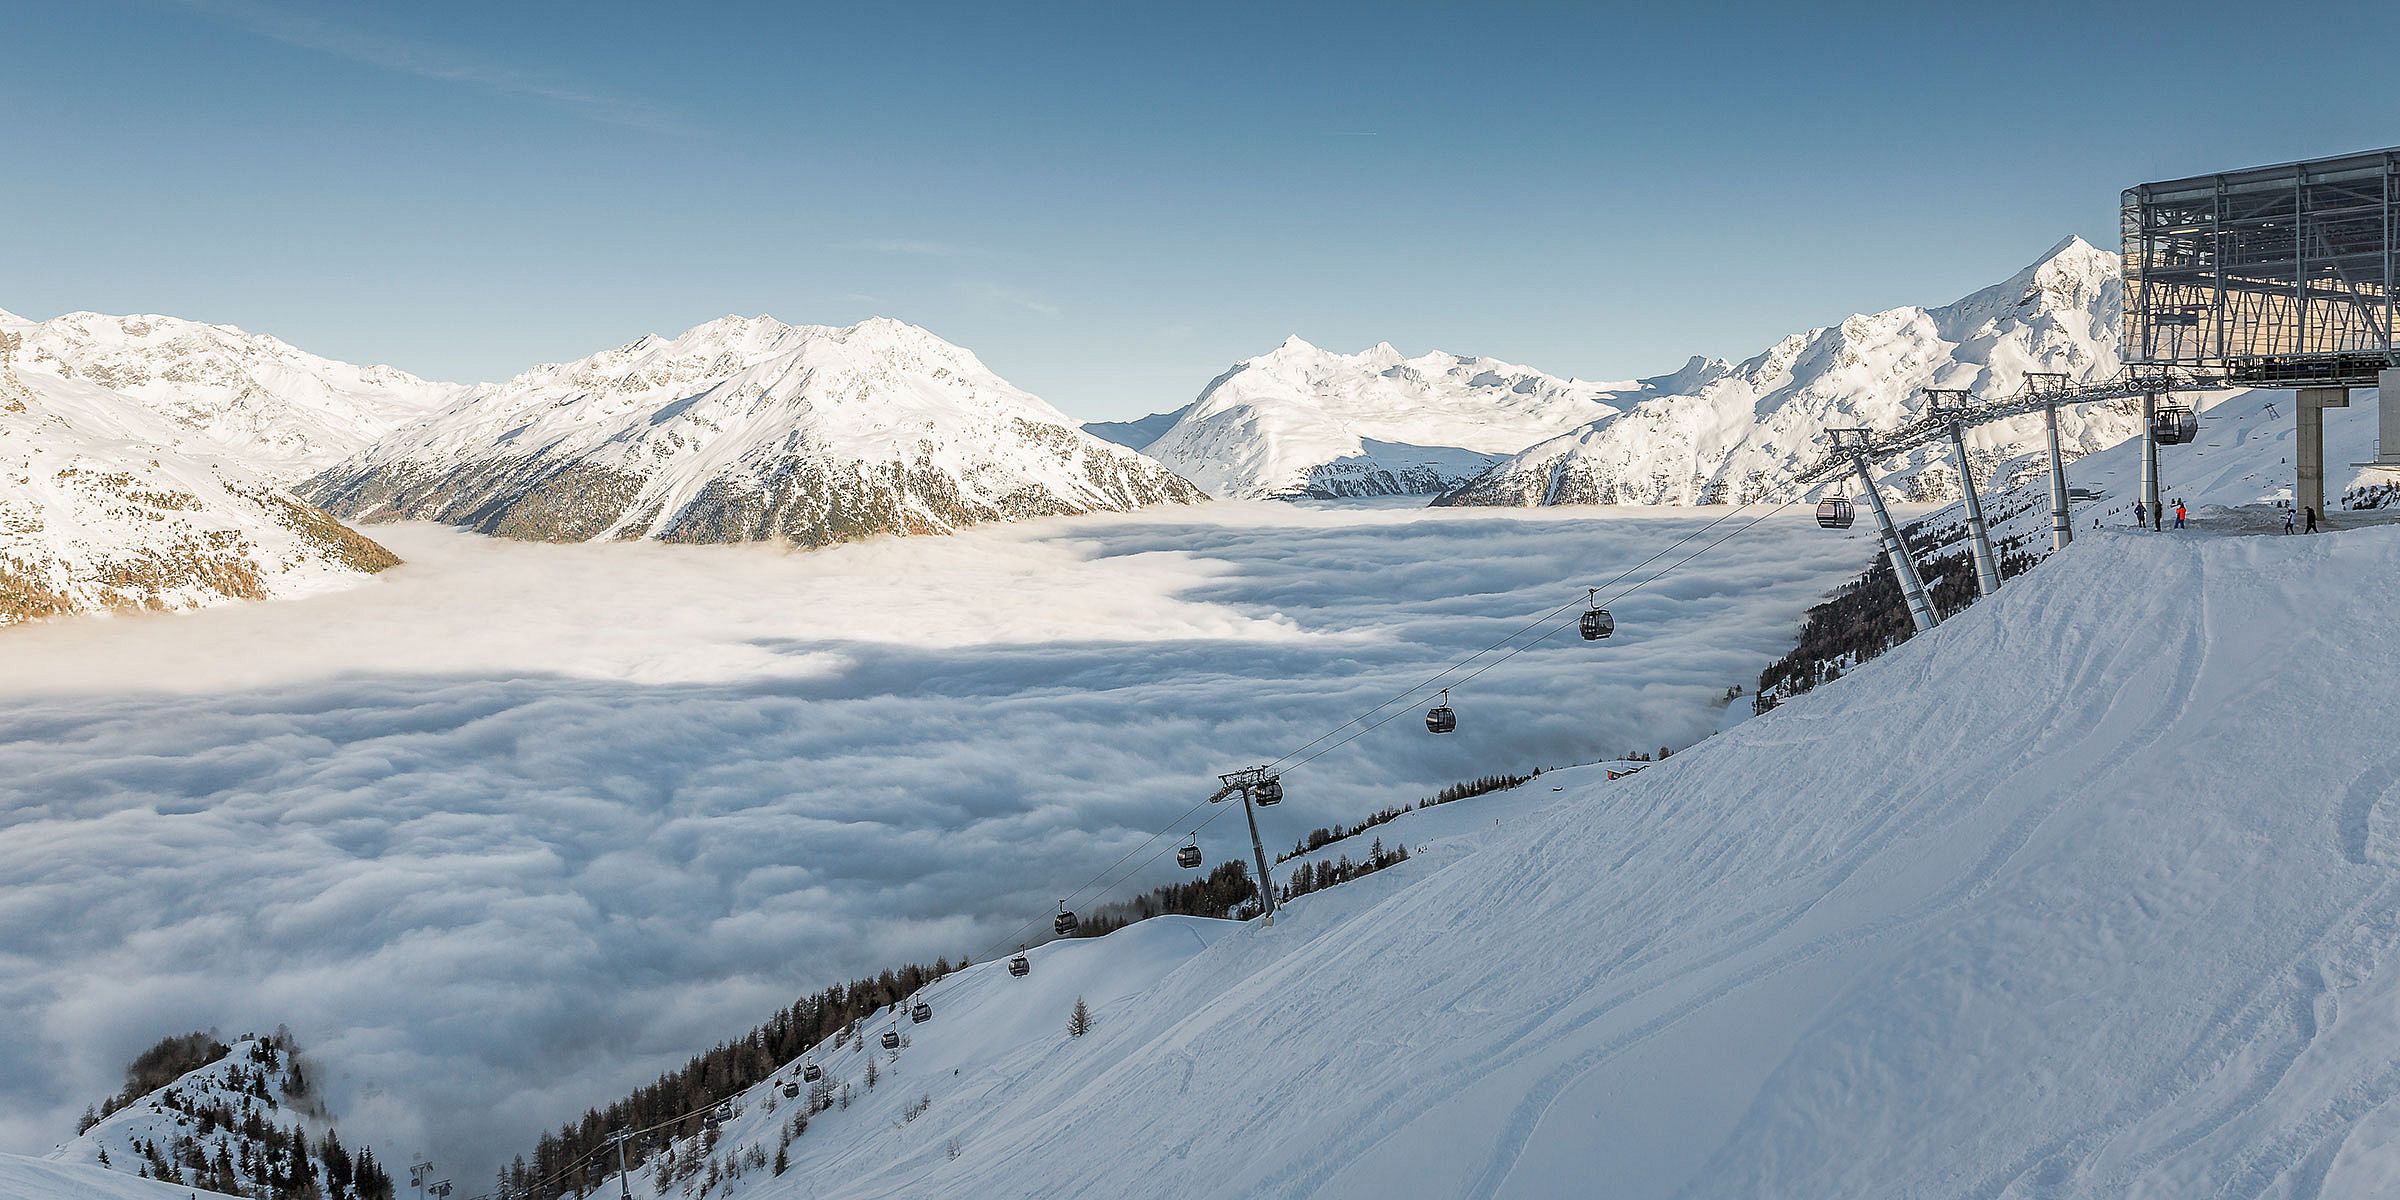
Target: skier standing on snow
[2179, 514]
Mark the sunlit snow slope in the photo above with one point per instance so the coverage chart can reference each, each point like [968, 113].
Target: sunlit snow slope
[2093, 891]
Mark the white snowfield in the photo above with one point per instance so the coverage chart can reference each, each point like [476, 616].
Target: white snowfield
[2093, 891]
[1301, 421]
[1716, 433]
[284, 413]
[23, 1178]
[109, 505]
[744, 429]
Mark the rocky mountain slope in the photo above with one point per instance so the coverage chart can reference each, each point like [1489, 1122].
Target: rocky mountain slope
[746, 429]
[1728, 434]
[284, 413]
[1302, 421]
[106, 506]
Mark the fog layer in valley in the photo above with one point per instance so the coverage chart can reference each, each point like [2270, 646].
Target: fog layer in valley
[509, 829]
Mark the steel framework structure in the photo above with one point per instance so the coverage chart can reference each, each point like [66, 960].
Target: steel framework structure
[2279, 276]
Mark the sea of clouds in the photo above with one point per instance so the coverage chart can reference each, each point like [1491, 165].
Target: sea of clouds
[513, 827]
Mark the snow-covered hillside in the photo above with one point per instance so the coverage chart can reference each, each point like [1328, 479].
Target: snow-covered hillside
[23, 1178]
[247, 1124]
[107, 506]
[1301, 421]
[747, 429]
[1720, 434]
[283, 413]
[2052, 901]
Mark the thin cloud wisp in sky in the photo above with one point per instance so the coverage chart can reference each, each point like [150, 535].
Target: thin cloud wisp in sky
[308, 31]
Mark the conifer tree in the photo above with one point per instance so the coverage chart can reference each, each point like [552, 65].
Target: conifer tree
[1079, 1022]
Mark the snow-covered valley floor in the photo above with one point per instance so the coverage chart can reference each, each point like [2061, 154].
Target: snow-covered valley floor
[514, 826]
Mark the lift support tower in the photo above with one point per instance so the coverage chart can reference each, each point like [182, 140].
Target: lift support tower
[1855, 442]
[2048, 385]
[1950, 404]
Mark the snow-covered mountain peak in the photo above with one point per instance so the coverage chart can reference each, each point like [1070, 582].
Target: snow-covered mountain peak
[747, 428]
[277, 409]
[1304, 420]
[1712, 433]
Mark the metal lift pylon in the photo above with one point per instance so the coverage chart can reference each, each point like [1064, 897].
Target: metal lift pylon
[1951, 403]
[1912, 586]
[2062, 522]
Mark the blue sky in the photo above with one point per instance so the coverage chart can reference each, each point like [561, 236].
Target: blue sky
[1111, 203]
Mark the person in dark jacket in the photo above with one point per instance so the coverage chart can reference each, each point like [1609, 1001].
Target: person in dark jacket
[2140, 517]
[2312, 519]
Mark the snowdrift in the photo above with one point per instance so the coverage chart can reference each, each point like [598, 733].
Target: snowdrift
[2094, 891]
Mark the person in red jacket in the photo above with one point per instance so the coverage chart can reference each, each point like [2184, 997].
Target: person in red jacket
[2179, 514]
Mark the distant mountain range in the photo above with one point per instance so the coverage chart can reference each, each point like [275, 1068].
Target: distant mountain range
[152, 455]
[743, 429]
[1302, 421]
[1716, 433]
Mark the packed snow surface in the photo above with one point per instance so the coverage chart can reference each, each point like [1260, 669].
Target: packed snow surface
[747, 429]
[1302, 421]
[2094, 891]
[1716, 433]
[23, 1178]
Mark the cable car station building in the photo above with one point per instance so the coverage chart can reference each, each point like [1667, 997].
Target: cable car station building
[2274, 277]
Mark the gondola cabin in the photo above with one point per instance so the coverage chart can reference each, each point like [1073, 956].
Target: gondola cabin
[2175, 425]
[811, 1073]
[891, 1039]
[791, 1091]
[1268, 791]
[1188, 856]
[1019, 967]
[1597, 624]
[1440, 719]
[920, 1012]
[1064, 922]
[1835, 513]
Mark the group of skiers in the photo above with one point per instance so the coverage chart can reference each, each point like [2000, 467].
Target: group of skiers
[2144, 514]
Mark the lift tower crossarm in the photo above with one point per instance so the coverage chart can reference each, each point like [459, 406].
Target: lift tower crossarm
[2126, 384]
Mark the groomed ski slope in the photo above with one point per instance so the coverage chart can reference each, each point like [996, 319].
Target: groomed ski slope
[2095, 891]
[23, 1178]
